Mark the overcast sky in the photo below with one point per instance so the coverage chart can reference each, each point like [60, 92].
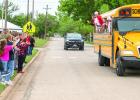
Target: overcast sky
[39, 5]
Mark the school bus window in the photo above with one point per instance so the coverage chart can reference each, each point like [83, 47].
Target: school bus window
[128, 24]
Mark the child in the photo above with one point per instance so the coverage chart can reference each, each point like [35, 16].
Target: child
[5, 58]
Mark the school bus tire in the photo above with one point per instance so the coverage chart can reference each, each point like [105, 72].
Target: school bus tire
[101, 60]
[107, 62]
[120, 70]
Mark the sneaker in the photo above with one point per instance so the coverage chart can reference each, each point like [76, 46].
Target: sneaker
[22, 72]
[3, 83]
[9, 82]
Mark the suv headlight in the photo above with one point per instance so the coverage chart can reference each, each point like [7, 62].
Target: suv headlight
[82, 40]
[127, 53]
[67, 40]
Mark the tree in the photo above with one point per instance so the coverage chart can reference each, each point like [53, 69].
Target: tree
[83, 9]
[52, 25]
[68, 25]
[77, 9]
[104, 8]
[19, 19]
[11, 9]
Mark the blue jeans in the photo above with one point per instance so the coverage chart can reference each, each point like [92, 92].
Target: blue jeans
[11, 65]
[30, 48]
[15, 61]
[5, 67]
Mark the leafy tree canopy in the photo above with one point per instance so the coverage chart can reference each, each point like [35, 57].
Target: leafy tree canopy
[83, 9]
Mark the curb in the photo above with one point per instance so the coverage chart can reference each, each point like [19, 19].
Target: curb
[9, 89]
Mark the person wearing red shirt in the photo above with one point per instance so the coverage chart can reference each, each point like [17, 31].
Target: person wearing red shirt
[98, 22]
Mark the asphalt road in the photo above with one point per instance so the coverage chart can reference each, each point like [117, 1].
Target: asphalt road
[73, 75]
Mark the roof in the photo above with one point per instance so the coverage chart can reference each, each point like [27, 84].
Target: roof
[10, 25]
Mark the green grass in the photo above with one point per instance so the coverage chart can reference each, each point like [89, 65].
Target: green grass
[2, 87]
[88, 42]
[40, 42]
[15, 73]
[28, 59]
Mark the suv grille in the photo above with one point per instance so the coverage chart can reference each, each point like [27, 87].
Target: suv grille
[74, 40]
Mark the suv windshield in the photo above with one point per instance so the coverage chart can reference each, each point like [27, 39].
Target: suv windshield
[74, 36]
[128, 24]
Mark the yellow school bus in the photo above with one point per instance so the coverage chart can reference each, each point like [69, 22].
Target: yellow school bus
[120, 48]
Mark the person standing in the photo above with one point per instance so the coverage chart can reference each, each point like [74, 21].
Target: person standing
[109, 22]
[98, 21]
[11, 56]
[22, 45]
[28, 39]
[5, 58]
[32, 44]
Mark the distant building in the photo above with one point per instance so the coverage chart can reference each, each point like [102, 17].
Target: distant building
[10, 26]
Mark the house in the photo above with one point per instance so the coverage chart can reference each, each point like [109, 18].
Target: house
[10, 26]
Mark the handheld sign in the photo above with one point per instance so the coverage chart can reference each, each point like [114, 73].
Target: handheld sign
[29, 27]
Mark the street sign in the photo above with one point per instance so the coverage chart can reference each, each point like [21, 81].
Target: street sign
[29, 27]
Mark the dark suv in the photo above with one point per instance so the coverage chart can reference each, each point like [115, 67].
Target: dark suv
[73, 40]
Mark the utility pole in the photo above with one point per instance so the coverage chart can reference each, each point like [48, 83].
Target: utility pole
[47, 8]
[33, 11]
[6, 12]
[27, 10]
[2, 15]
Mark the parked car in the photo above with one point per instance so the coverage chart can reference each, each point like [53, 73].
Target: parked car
[73, 40]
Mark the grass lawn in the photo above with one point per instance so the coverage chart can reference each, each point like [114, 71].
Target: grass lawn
[40, 42]
[2, 87]
[28, 59]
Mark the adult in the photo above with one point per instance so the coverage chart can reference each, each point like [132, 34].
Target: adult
[32, 44]
[22, 45]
